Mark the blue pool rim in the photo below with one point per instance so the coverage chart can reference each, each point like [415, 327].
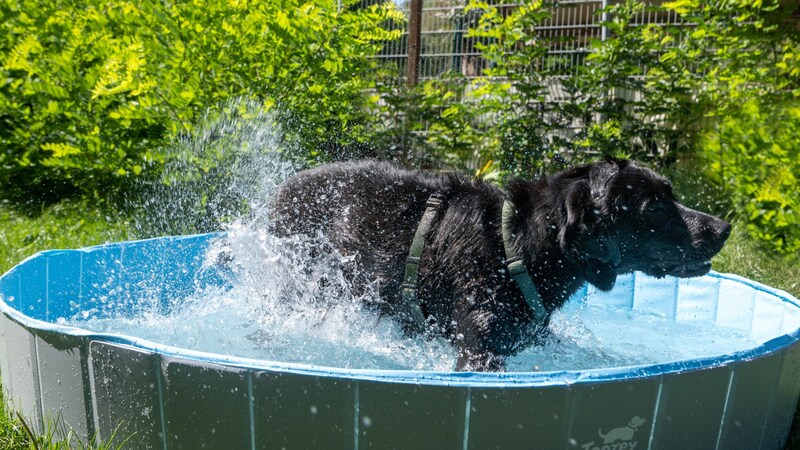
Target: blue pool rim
[431, 378]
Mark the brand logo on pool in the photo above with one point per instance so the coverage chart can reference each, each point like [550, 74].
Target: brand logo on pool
[622, 438]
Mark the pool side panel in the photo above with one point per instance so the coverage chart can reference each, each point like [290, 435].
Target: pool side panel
[187, 259]
[784, 401]
[606, 412]
[125, 395]
[502, 418]
[697, 299]
[655, 296]
[61, 379]
[206, 405]
[101, 285]
[751, 387]
[690, 409]
[144, 267]
[63, 284]
[156, 273]
[791, 318]
[24, 374]
[768, 316]
[194, 248]
[299, 411]
[9, 287]
[622, 296]
[407, 416]
[735, 305]
[31, 299]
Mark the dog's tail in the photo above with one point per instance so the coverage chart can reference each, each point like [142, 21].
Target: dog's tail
[600, 433]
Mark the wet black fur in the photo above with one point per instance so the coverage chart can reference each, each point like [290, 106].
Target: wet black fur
[589, 223]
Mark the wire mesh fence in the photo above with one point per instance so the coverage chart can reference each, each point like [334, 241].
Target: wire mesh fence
[446, 45]
[447, 48]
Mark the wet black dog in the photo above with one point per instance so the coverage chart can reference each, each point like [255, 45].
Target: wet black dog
[589, 223]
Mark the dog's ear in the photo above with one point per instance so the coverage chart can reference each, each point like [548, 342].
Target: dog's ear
[585, 230]
[577, 210]
[602, 175]
[602, 258]
[584, 225]
[620, 163]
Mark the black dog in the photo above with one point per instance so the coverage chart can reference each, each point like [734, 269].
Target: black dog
[589, 223]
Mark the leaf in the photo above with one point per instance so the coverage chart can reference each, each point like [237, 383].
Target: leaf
[61, 150]
[451, 111]
[283, 20]
[187, 95]
[682, 6]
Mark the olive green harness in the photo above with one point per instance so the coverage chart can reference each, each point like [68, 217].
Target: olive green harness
[514, 262]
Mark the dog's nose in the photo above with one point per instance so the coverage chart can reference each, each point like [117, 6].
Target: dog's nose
[723, 231]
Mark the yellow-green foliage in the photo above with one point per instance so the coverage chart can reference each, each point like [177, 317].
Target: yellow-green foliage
[755, 156]
[90, 89]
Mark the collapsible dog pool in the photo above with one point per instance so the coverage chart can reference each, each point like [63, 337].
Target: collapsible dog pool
[163, 397]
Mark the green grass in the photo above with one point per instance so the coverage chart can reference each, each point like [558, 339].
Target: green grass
[13, 434]
[744, 257]
[64, 225]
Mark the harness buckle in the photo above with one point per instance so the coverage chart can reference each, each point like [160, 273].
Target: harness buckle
[435, 200]
[515, 266]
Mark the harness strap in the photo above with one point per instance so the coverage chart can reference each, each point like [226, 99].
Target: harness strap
[514, 263]
[516, 266]
[414, 254]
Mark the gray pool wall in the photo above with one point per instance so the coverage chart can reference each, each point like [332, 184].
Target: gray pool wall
[160, 397]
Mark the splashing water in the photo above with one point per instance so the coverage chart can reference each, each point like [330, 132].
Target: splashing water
[288, 306]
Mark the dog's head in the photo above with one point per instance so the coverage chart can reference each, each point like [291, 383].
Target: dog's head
[617, 217]
[636, 422]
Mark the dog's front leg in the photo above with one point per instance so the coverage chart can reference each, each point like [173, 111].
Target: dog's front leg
[479, 361]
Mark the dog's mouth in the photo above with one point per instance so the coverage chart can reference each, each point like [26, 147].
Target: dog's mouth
[682, 269]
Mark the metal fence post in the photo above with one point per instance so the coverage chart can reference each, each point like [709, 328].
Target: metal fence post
[458, 34]
[414, 40]
[601, 118]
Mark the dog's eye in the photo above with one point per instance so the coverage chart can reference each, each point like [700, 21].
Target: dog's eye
[655, 207]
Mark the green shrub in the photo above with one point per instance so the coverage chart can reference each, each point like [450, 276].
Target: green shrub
[91, 90]
[512, 90]
[432, 124]
[657, 92]
[645, 92]
[754, 156]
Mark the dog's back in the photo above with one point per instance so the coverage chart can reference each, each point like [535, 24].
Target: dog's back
[353, 198]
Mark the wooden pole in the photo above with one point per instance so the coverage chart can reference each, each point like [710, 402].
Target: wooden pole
[414, 38]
